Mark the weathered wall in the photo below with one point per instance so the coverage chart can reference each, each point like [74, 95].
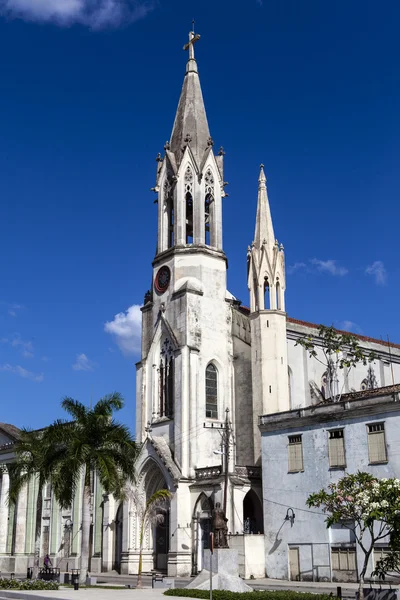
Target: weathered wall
[283, 490]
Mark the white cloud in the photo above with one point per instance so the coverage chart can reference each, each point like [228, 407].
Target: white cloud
[296, 267]
[377, 270]
[82, 363]
[126, 328]
[21, 372]
[349, 326]
[16, 341]
[329, 266]
[95, 14]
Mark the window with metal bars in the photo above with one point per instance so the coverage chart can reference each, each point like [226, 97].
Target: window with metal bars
[337, 456]
[295, 454]
[211, 392]
[377, 443]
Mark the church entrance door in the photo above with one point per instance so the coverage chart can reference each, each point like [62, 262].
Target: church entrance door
[204, 541]
[162, 543]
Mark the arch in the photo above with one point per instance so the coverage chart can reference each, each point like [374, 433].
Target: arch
[156, 535]
[267, 295]
[209, 209]
[188, 179]
[202, 527]
[211, 381]
[278, 295]
[170, 221]
[252, 513]
[166, 381]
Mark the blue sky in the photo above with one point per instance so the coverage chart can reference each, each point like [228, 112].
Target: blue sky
[88, 93]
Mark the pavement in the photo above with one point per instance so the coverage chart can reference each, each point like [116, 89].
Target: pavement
[147, 593]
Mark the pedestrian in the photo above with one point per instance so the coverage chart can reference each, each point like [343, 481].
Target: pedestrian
[47, 562]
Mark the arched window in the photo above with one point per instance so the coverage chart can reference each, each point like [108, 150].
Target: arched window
[189, 205]
[211, 392]
[209, 207]
[169, 212]
[171, 217]
[267, 305]
[166, 381]
[278, 295]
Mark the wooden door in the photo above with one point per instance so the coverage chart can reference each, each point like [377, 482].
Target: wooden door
[294, 564]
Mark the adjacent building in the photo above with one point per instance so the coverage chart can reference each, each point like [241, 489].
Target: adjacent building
[305, 450]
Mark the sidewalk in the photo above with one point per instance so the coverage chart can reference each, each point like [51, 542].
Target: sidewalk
[84, 594]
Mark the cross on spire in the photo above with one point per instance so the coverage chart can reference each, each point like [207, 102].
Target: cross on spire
[193, 38]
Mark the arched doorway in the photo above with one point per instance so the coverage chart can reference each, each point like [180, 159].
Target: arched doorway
[252, 513]
[118, 523]
[156, 540]
[202, 528]
[161, 535]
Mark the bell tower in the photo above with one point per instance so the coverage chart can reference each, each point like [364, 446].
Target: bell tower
[267, 284]
[190, 177]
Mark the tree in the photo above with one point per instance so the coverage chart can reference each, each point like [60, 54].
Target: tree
[35, 458]
[153, 513]
[93, 443]
[339, 350]
[368, 506]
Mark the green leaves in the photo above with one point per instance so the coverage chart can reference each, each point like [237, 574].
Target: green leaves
[92, 442]
[363, 502]
[338, 350]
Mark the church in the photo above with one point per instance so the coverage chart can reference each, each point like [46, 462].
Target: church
[209, 369]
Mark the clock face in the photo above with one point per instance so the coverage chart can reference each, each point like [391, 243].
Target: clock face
[163, 278]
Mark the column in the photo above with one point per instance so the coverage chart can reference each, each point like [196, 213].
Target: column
[5, 484]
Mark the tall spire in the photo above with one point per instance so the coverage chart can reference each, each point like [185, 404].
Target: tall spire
[190, 126]
[264, 231]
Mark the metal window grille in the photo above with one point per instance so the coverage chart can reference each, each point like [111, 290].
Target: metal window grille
[211, 392]
[295, 454]
[337, 457]
[377, 443]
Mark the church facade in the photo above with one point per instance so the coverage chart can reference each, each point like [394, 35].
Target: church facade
[209, 369]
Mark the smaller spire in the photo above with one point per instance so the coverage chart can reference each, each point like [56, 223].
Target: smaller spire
[264, 232]
[262, 180]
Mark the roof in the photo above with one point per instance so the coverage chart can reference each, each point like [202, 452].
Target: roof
[190, 126]
[10, 430]
[374, 393]
[246, 311]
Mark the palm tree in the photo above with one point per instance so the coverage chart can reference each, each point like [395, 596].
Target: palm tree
[35, 458]
[92, 443]
[151, 513]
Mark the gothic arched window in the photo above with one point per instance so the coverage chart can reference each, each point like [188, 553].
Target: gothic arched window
[166, 379]
[211, 392]
[208, 206]
[169, 209]
[189, 204]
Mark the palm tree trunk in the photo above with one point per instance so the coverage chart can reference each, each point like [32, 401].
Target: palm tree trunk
[85, 530]
[139, 579]
[38, 531]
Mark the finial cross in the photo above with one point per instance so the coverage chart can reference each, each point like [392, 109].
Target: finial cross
[193, 38]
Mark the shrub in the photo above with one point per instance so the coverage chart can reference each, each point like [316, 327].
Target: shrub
[29, 584]
[255, 595]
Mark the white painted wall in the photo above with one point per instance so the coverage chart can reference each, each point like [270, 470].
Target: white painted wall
[282, 490]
